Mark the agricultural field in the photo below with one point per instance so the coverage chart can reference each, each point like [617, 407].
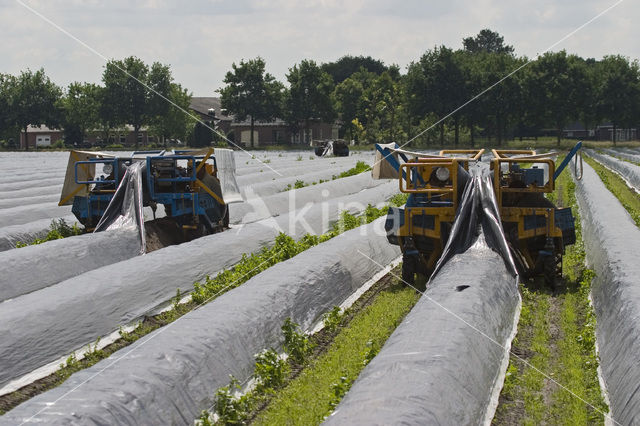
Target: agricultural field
[297, 314]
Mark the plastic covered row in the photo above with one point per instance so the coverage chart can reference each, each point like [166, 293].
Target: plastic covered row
[612, 242]
[171, 375]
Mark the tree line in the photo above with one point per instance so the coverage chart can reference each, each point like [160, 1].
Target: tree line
[132, 93]
[481, 90]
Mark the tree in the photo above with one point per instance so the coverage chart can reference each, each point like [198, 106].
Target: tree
[346, 66]
[125, 94]
[435, 84]
[348, 100]
[34, 101]
[175, 123]
[619, 91]
[558, 83]
[81, 108]
[381, 101]
[160, 82]
[7, 85]
[486, 41]
[252, 92]
[309, 96]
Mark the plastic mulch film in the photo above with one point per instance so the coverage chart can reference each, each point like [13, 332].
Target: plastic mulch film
[227, 174]
[478, 210]
[35, 267]
[44, 325]
[612, 242]
[171, 375]
[20, 215]
[444, 364]
[630, 172]
[257, 208]
[125, 208]
[25, 233]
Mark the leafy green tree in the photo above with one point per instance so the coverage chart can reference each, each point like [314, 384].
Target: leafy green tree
[160, 83]
[382, 103]
[486, 41]
[346, 66]
[125, 95]
[309, 96]
[34, 101]
[251, 92]
[435, 84]
[348, 100]
[81, 109]
[558, 82]
[619, 91]
[7, 85]
[174, 123]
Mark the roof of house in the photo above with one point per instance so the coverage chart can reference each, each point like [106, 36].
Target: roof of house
[202, 104]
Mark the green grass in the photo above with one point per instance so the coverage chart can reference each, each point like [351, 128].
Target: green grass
[618, 187]
[567, 354]
[311, 396]
[57, 230]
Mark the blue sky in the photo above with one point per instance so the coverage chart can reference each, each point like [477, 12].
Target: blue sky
[200, 39]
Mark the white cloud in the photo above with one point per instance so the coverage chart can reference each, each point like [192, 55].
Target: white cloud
[200, 39]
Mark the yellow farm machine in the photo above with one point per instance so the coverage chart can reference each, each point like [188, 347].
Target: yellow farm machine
[536, 231]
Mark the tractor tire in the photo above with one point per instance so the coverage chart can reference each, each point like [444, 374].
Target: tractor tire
[552, 270]
[409, 270]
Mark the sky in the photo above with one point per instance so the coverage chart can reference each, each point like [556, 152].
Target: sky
[201, 39]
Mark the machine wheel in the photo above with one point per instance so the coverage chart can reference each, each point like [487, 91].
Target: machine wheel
[225, 218]
[553, 271]
[409, 270]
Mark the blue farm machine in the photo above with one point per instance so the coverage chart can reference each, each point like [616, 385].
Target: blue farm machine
[187, 184]
[536, 231]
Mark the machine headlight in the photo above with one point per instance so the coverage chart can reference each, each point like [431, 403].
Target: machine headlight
[107, 168]
[442, 173]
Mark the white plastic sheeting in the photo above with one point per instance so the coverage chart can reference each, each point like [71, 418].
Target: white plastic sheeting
[44, 325]
[274, 205]
[443, 363]
[125, 208]
[227, 175]
[35, 267]
[32, 212]
[170, 376]
[630, 172]
[612, 242]
[10, 235]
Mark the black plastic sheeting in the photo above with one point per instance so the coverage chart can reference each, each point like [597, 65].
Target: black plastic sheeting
[170, 376]
[444, 362]
[478, 211]
[612, 243]
[42, 326]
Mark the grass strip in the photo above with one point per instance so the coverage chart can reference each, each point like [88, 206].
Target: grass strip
[556, 334]
[618, 187]
[320, 368]
[249, 265]
[313, 395]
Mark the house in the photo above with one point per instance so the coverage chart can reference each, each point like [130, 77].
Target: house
[278, 132]
[40, 136]
[602, 132]
[209, 109]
